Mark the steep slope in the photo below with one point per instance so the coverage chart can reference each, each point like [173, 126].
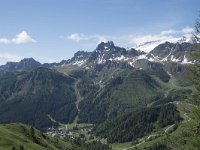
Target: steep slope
[29, 97]
[153, 68]
[184, 136]
[14, 136]
[124, 92]
[76, 62]
[167, 60]
[136, 124]
[170, 52]
[23, 137]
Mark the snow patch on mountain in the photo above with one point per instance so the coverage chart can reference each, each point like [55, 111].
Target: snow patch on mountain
[79, 62]
[185, 61]
[173, 59]
[121, 58]
[149, 44]
[104, 52]
[166, 58]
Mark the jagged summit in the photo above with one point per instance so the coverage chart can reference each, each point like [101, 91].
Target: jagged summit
[166, 52]
[105, 45]
[80, 55]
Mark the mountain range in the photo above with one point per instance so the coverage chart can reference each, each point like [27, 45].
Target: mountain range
[93, 86]
[106, 51]
[117, 90]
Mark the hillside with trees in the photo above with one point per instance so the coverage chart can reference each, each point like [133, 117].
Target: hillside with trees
[134, 125]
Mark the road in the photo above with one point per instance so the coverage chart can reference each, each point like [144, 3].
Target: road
[167, 129]
[187, 119]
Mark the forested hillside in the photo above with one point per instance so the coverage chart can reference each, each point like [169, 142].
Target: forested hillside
[129, 90]
[138, 123]
[29, 97]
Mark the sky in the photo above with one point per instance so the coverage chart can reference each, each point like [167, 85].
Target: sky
[53, 30]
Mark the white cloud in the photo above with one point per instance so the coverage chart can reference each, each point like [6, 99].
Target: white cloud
[20, 38]
[76, 37]
[101, 38]
[187, 30]
[139, 40]
[166, 35]
[23, 37]
[6, 57]
[143, 42]
[148, 42]
[167, 32]
[4, 41]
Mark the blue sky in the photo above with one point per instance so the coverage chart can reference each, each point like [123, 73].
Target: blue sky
[52, 30]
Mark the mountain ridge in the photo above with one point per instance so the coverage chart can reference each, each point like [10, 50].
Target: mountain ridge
[107, 51]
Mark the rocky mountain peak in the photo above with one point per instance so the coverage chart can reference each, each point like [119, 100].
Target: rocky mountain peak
[107, 51]
[29, 62]
[26, 63]
[81, 55]
[163, 46]
[105, 45]
[173, 52]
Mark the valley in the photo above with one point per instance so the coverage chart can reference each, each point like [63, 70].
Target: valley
[110, 98]
[99, 75]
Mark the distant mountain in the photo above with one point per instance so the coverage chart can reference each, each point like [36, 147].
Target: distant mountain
[107, 52]
[163, 61]
[170, 52]
[150, 45]
[78, 59]
[24, 64]
[164, 53]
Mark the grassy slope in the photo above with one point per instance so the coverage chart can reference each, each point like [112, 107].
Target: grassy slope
[19, 134]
